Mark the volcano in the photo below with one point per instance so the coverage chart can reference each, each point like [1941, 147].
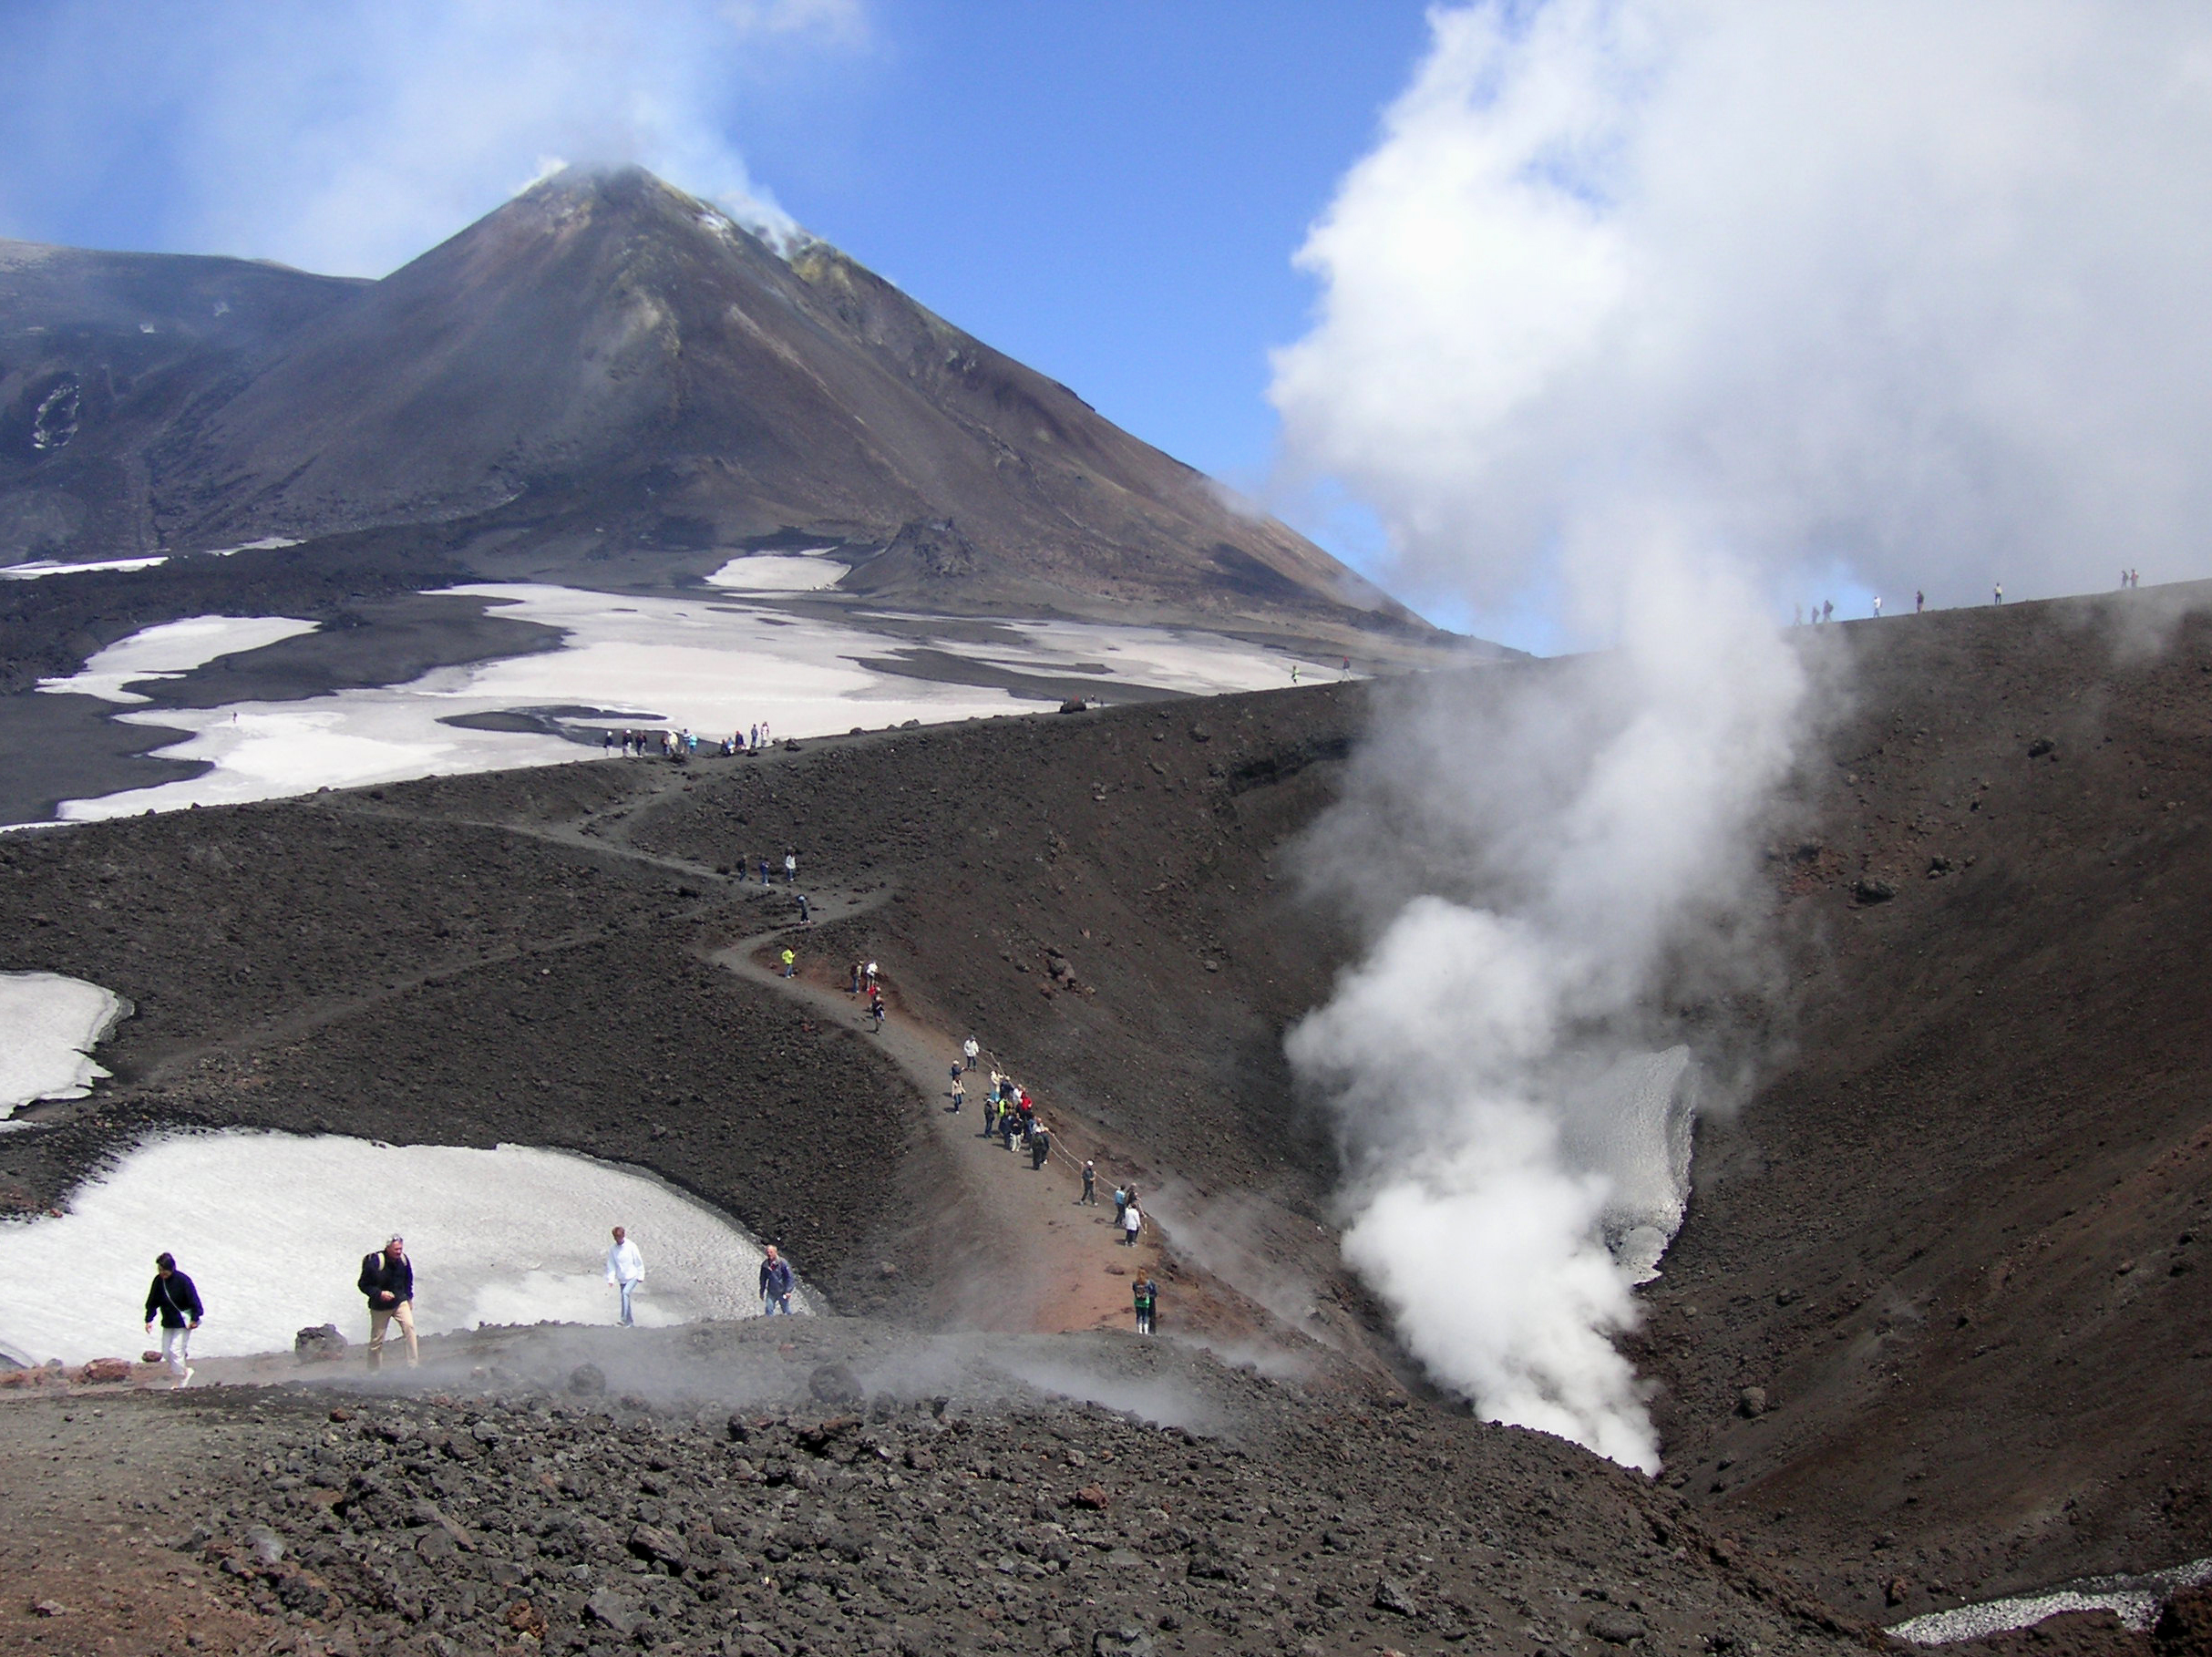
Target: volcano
[609, 382]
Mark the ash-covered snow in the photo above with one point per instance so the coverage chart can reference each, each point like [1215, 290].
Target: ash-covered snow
[48, 1027]
[2134, 1600]
[171, 649]
[271, 1229]
[714, 665]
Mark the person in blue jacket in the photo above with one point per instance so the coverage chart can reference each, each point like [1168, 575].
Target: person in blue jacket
[174, 1302]
[776, 1283]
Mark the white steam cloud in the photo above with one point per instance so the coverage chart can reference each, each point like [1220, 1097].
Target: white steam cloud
[348, 137]
[1653, 315]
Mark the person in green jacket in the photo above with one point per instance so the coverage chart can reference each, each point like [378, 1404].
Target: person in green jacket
[1146, 1294]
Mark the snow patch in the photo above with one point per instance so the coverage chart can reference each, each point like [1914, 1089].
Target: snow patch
[2134, 1600]
[272, 1228]
[40, 567]
[48, 1026]
[805, 572]
[171, 649]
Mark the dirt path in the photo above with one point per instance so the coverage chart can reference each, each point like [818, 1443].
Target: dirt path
[1043, 1262]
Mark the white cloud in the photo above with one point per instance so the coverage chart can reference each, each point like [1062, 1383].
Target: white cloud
[1911, 290]
[350, 136]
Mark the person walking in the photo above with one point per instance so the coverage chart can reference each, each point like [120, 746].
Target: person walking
[805, 913]
[790, 868]
[764, 871]
[1997, 597]
[1919, 600]
[1877, 606]
[1121, 1205]
[387, 1279]
[1146, 1293]
[174, 1303]
[960, 1091]
[970, 1051]
[626, 1270]
[1090, 1184]
[1040, 1146]
[790, 960]
[854, 988]
[1132, 1222]
[776, 1283]
[875, 1009]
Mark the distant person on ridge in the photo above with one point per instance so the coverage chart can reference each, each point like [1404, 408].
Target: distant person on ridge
[1827, 609]
[1998, 596]
[1877, 606]
[1919, 600]
[626, 1270]
[774, 1283]
[387, 1279]
[175, 1304]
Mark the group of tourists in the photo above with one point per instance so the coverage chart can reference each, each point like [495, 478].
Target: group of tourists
[683, 744]
[1010, 1117]
[388, 1283]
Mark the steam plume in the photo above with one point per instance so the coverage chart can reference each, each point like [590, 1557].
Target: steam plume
[1648, 315]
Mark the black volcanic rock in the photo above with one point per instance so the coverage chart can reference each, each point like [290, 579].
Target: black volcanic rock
[609, 382]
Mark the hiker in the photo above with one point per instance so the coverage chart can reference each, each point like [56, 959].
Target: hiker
[1293, 673]
[1147, 1295]
[774, 1283]
[1040, 1146]
[1827, 609]
[960, 1091]
[764, 871]
[1877, 606]
[754, 746]
[387, 1279]
[1998, 597]
[790, 868]
[854, 988]
[173, 1301]
[790, 960]
[1121, 1205]
[1090, 1184]
[626, 1270]
[1010, 1126]
[970, 1052]
[871, 978]
[875, 1010]
[1132, 1222]
[804, 917]
[1919, 600]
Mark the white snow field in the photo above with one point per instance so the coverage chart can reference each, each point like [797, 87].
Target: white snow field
[804, 571]
[170, 650]
[271, 1229]
[712, 666]
[48, 1027]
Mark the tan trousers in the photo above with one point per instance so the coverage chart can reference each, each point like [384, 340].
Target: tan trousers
[382, 1319]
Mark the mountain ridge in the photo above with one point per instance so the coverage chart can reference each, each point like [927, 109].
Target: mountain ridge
[605, 382]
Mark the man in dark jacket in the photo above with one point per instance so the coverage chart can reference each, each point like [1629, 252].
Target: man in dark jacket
[387, 1279]
[774, 1283]
[175, 1302]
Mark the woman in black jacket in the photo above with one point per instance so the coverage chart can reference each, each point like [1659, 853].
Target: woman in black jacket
[174, 1302]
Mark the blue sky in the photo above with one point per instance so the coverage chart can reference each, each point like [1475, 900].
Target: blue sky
[1111, 192]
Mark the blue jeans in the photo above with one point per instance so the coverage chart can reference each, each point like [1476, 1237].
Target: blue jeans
[627, 1289]
[777, 1303]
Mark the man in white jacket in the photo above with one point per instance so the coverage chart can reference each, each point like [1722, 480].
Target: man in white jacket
[625, 1270]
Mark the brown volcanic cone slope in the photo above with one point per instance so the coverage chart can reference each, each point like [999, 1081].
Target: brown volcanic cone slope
[1960, 1241]
[609, 380]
